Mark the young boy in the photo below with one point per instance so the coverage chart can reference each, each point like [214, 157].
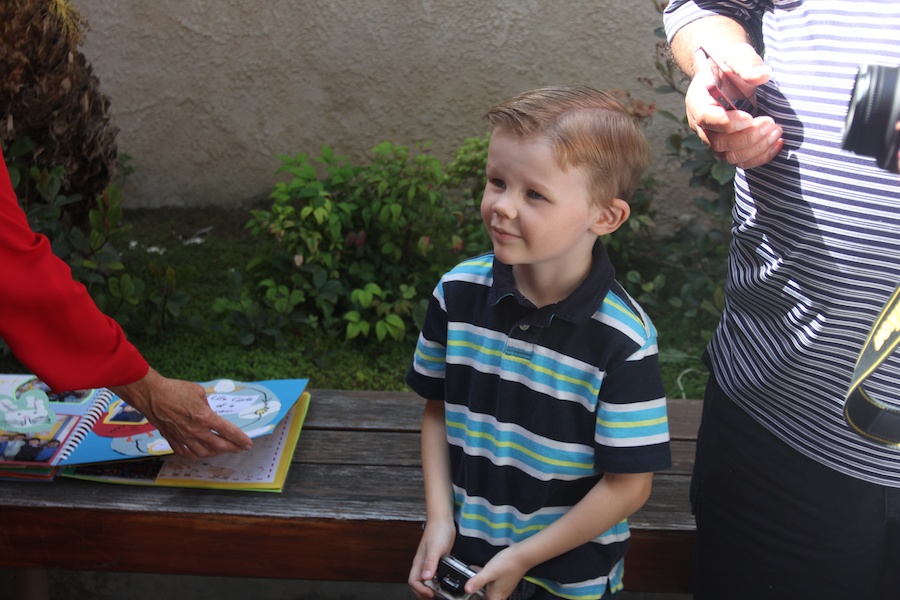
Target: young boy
[546, 416]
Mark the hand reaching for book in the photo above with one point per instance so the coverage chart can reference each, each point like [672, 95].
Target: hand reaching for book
[181, 412]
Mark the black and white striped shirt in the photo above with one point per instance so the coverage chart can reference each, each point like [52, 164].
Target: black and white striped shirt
[816, 234]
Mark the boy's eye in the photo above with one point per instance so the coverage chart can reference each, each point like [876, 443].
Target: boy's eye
[498, 183]
[535, 195]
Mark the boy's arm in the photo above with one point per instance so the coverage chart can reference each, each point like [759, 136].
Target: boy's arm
[440, 530]
[615, 497]
[436, 466]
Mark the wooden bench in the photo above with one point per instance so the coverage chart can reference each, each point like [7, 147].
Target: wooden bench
[351, 510]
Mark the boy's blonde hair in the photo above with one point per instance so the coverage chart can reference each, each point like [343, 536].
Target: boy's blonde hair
[588, 129]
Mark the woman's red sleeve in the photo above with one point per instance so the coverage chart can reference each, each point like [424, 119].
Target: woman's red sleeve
[48, 319]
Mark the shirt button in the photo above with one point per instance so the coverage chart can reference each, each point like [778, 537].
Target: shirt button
[523, 327]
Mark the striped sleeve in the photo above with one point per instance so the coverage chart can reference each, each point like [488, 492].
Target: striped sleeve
[632, 427]
[747, 12]
[427, 374]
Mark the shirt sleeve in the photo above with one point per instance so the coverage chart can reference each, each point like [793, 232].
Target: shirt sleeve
[428, 372]
[632, 427]
[49, 320]
[748, 13]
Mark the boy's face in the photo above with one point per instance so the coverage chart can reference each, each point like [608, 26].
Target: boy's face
[537, 213]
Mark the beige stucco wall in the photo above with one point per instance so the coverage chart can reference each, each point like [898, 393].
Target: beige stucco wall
[207, 93]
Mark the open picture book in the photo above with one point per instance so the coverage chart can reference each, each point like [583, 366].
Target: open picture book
[42, 431]
[262, 469]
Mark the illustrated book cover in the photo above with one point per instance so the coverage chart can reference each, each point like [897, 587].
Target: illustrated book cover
[262, 469]
[41, 430]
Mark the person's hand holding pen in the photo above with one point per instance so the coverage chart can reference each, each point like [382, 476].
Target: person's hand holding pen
[735, 136]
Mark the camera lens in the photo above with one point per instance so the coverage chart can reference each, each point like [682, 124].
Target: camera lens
[871, 128]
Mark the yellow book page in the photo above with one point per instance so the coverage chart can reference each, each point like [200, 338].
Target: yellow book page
[264, 468]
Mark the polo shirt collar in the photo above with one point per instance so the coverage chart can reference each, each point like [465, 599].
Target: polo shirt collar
[578, 307]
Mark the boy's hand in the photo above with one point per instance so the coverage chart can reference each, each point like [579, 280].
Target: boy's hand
[734, 136]
[437, 540]
[501, 575]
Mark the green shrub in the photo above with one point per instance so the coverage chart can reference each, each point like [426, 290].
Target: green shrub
[681, 280]
[355, 246]
[698, 258]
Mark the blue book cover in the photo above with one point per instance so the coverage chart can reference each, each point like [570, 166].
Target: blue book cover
[40, 428]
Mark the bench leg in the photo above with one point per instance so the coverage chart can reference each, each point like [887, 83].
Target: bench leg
[32, 584]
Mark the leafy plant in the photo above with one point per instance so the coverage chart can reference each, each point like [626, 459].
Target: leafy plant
[268, 313]
[685, 288]
[50, 95]
[466, 180]
[357, 243]
[690, 270]
[362, 245]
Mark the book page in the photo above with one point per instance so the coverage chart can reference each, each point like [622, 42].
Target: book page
[261, 465]
[39, 427]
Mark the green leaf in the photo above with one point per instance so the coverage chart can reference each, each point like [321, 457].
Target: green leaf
[723, 172]
[96, 220]
[20, 147]
[114, 289]
[127, 285]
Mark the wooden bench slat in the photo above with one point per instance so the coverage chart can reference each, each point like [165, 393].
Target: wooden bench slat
[682, 458]
[311, 492]
[684, 419]
[360, 410]
[380, 448]
[223, 545]
[668, 508]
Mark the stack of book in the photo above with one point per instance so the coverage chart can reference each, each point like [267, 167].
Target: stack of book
[95, 435]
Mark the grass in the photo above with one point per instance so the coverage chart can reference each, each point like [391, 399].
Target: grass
[202, 244]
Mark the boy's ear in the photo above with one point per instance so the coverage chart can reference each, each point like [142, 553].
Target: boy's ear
[611, 216]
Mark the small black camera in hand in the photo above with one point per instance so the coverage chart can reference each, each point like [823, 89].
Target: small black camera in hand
[872, 127]
[450, 581]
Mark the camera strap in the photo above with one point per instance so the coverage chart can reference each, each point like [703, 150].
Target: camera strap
[871, 418]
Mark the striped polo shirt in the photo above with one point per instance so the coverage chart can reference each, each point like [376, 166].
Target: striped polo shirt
[539, 403]
[815, 247]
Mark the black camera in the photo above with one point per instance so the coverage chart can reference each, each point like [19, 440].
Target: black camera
[450, 580]
[872, 127]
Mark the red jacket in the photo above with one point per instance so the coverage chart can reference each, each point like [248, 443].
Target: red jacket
[49, 320]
